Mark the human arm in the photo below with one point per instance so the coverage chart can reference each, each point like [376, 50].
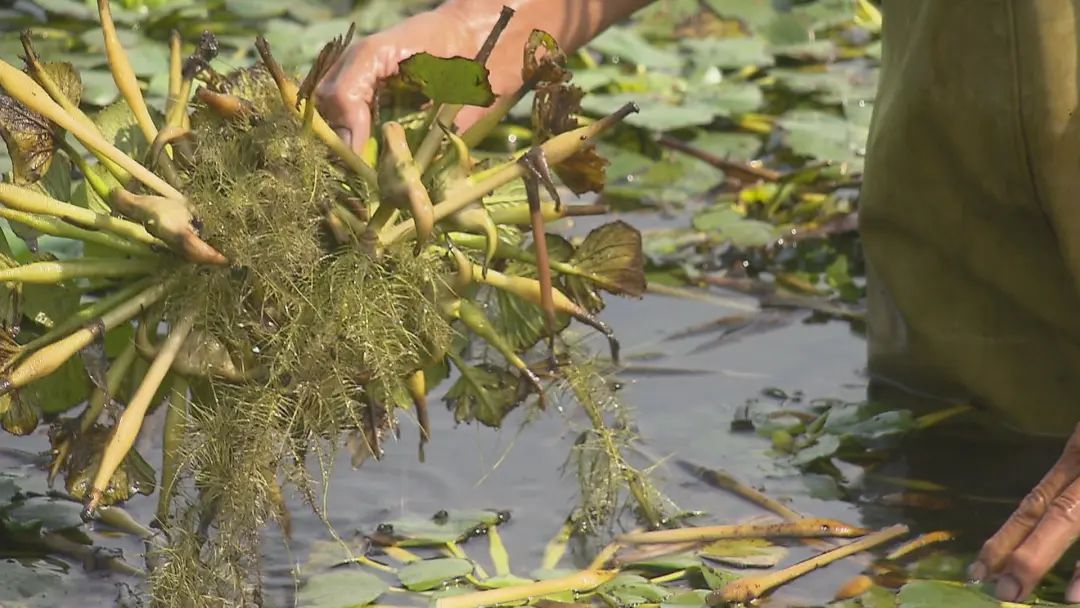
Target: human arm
[457, 28]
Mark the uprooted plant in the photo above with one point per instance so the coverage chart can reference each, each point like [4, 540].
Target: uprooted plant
[277, 291]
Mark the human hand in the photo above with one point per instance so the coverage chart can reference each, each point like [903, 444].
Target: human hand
[1037, 534]
[344, 95]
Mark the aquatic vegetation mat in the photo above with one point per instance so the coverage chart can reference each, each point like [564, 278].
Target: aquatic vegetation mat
[232, 260]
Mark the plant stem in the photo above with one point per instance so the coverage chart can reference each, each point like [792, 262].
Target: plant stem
[50, 273]
[519, 214]
[30, 201]
[127, 430]
[171, 437]
[802, 528]
[23, 88]
[55, 542]
[122, 73]
[752, 587]
[116, 374]
[556, 150]
[581, 581]
[48, 359]
[919, 542]
[56, 227]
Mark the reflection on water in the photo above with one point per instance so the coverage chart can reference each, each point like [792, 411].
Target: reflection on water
[685, 414]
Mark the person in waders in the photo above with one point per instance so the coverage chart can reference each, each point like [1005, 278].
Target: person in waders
[969, 213]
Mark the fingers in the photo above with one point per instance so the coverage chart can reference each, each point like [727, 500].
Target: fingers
[1072, 592]
[1035, 505]
[1055, 533]
[344, 95]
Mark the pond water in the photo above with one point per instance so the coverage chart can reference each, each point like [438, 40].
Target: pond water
[684, 403]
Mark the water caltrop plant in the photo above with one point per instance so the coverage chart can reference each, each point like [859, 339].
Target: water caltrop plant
[236, 262]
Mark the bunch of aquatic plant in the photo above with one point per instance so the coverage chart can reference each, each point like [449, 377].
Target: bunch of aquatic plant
[284, 290]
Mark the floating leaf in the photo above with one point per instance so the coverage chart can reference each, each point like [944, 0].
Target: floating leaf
[341, 588]
[39, 514]
[728, 224]
[824, 447]
[626, 44]
[446, 527]
[428, 574]
[483, 393]
[655, 113]
[933, 594]
[744, 552]
[631, 590]
[730, 53]
[455, 80]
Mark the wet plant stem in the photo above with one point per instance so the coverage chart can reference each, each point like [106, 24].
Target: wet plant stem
[56, 227]
[48, 359]
[23, 88]
[127, 429]
[555, 150]
[802, 528]
[88, 554]
[923, 540]
[122, 73]
[752, 587]
[51, 273]
[172, 436]
[30, 201]
[586, 580]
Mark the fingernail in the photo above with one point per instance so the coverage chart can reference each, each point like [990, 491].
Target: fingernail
[1008, 589]
[977, 572]
[344, 134]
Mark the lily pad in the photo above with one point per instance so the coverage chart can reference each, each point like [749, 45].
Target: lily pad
[626, 44]
[342, 588]
[744, 553]
[934, 594]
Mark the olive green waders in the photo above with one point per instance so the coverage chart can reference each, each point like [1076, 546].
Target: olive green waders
[971, 207]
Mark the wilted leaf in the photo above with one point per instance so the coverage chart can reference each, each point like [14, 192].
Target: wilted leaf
[555, 109]
[612, 256]
[455, 80]
[428, 574]
[744, 552]
[483, 393]
[30, 138]
[543, 61]
[135, 475]
[341, 588]
[21, 416]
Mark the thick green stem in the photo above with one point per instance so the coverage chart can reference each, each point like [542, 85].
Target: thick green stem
[23, 88]
[56, 227]
[48, 359]
[50, 273]
[30, 201]
[172, 437]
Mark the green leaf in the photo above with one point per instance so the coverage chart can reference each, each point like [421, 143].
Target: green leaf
[449, 526]
[825, 136]
[38, 515]
[729, 53]
[628, 45]
[483, 393]
[99, 88]
[455, 80]
[824, 447]
[715, 578]
[341, 588]
[934, 594]
[431, 573]
[728, 224]
[631, 589]
[744, 553]
[754, 13]
[656, 114]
